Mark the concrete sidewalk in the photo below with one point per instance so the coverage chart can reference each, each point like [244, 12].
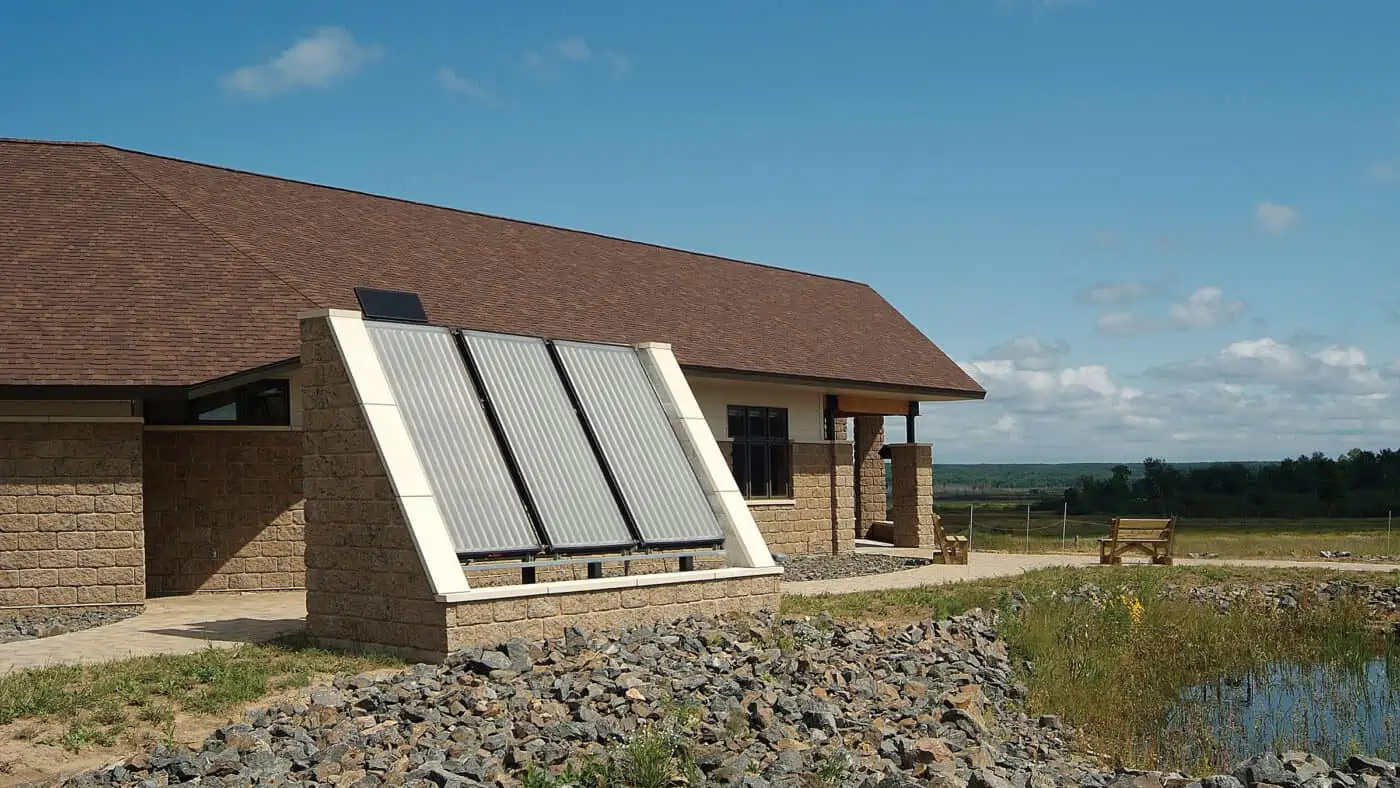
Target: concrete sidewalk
[985, 565]
[184, 624]
[169, 625]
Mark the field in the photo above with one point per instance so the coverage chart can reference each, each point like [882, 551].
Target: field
[1002, 528]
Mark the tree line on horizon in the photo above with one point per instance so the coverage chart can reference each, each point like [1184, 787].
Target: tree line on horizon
[1360, 483]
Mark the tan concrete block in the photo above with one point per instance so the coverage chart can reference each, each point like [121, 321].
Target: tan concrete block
[80, 576]
[58, 559]
[97, 522]
[96, 595]
[112, 540]
[507, 610]
[34, 504]
[112, 575]
[542, 607]
[75, 504]
[36, 541]
[18, 597]
[604, 601]
[62, 595]
[97, 558]
[131, 593]
[111, 503]
[13, 560]
[73, 540]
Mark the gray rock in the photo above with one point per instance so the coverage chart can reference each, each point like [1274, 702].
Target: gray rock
[1361, 764]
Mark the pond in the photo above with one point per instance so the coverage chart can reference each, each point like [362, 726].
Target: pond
[1331, 709]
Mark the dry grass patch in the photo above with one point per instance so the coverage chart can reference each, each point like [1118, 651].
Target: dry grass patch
[104, 704]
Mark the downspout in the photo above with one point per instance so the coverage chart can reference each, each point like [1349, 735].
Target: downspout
[829, 427]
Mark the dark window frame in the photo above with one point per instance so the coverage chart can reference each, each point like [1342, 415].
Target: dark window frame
[262, 403]
[764, 433]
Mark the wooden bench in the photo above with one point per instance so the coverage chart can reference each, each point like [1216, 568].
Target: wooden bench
[952, 548]
[1153, 538]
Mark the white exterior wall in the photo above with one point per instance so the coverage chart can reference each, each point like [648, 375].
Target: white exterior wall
[804, 404]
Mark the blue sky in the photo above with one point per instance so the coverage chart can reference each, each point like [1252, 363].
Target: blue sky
[1161, 227]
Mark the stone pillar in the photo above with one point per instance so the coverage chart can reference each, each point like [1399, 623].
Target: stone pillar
[913, 494]
[870, 472]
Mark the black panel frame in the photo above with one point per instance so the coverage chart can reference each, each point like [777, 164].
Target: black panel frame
[395, 306]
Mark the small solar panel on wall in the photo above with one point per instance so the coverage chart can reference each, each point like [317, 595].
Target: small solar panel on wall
[656, 479]
[454, 441]
[571, 494]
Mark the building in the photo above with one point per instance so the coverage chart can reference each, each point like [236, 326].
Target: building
[151, 387]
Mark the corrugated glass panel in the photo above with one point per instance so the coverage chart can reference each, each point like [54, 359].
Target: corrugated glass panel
[667, 503]
[454, 441]
[571, 494]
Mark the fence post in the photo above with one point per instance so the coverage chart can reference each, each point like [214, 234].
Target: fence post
[1064, 519]
[1028, 529]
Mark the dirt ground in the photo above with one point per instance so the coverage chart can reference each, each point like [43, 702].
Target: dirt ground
[32, 754]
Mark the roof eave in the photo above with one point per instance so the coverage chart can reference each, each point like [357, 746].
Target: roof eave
[913, 392]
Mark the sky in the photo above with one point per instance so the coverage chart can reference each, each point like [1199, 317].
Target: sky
[1162, 228]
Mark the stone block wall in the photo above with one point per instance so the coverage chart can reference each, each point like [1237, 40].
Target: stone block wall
[70, 514]
[912, 477]
[365, 584]
[818, 520]
[546, 616]
[223, 510]
[869, 471]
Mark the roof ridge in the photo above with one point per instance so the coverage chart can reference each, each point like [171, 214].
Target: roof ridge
[74, 143]
[453, 210]
[106, 151]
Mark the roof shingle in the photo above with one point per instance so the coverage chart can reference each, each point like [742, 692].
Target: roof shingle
[132, 269]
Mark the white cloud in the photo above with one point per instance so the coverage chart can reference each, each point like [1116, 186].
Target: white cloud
[573, 48]
[453, 82]
[1115, 292]
[1126, 324]
[1383, 172]
[1275, 218]
[621, 64]
[1205, 308]
[1253, 399]
[573, 52]
[325, 57]
[1029, 352]
[1268, 362]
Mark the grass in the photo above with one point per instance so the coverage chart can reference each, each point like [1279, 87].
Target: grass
[100, 702]
[1116, 666]
[1003, 529]
[656, 756]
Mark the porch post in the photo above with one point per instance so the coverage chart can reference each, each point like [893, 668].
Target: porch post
[912, 466]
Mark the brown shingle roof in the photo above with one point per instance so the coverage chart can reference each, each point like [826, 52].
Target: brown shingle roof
[124, 268]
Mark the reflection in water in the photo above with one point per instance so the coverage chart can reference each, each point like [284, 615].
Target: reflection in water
[1330, 709]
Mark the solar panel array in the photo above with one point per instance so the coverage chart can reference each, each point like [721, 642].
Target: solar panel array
[535, 447]
[639, 444]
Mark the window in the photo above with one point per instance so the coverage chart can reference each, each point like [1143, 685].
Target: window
[264, 403]
[761, 457]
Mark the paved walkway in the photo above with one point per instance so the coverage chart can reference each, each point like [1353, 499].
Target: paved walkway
[180, 625]
[169, 625]
[984, 565]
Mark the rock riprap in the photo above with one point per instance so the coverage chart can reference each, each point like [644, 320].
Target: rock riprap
[29, 625]
[757, 702]
[751, 702]
[833, 567]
